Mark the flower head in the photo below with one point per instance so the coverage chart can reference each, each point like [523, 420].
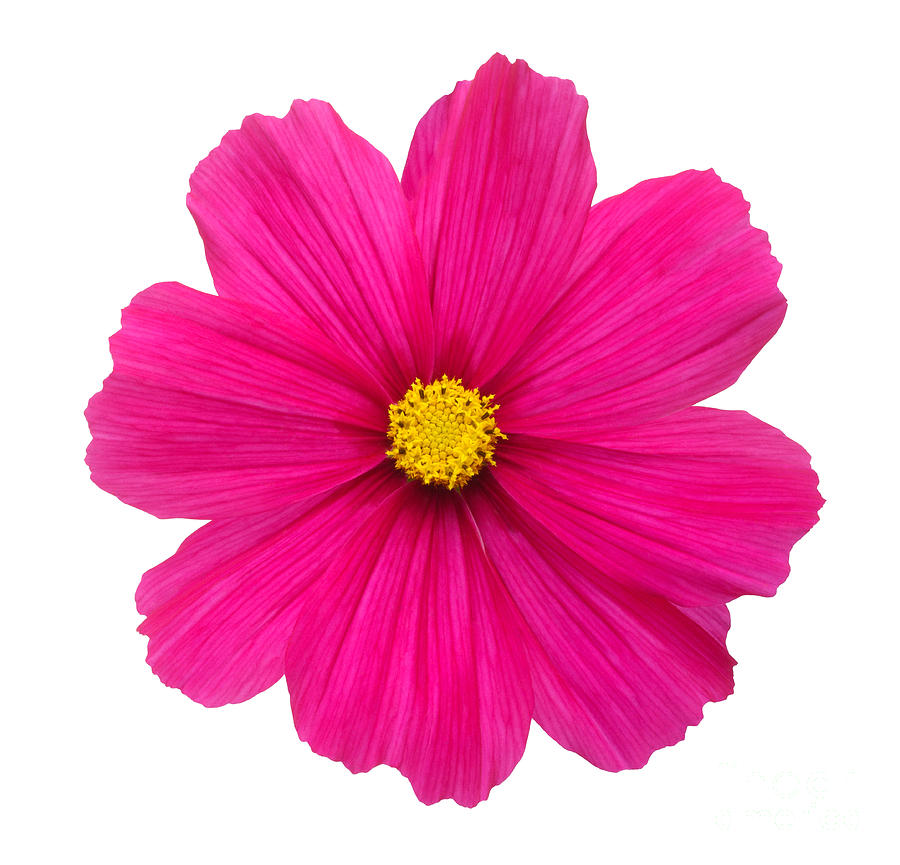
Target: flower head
[443, 430]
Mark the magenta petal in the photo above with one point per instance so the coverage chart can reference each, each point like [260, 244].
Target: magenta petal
[503, 177]
[699, 507]
[408, 653]
[302, 216]
[617, 673]
[715, 620]
[672, 294]
[428, 136]
[215, 409]
[219, 612]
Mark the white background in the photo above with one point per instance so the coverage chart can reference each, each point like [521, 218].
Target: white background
[108, 107]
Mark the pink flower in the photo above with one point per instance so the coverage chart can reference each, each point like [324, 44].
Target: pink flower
[428, 570]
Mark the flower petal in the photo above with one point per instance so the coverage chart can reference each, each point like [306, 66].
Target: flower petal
[672, 294]
[699, 507]
[428, 136]
[617, 673]
[219, 612]
[715, 620]
[500, 209]
[302, 216]
[214, 408]
[408, 653]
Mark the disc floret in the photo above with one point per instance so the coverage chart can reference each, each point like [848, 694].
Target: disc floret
[443, 433]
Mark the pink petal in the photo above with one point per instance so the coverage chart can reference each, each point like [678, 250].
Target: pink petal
[408, 653]
[715, 620]
[428, 136]
[699, 507]
[617, 673]
[504, 179]
[214, 408]
[672, 294]
[219, 612]
[302, 216]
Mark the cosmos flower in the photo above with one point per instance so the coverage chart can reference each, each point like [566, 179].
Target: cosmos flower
[443, 432]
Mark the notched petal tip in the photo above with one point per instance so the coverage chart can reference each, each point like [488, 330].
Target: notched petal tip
[522, 67]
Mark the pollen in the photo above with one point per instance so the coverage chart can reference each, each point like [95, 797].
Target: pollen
[443, 433]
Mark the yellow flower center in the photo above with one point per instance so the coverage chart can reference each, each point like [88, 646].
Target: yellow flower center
[442, 433]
